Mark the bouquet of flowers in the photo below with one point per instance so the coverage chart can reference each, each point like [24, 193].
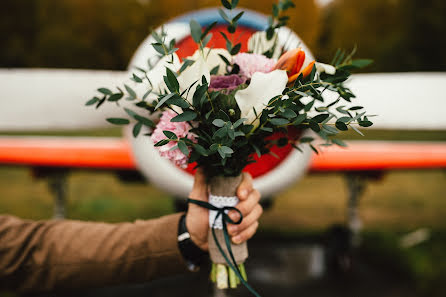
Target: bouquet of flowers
[220, 107]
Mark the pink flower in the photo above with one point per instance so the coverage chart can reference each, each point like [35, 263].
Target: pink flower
[181, 129]
[252, 63]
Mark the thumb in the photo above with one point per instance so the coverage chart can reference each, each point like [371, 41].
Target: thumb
[199, 189]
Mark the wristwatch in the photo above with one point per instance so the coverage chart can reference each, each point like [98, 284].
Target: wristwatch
[192, 254]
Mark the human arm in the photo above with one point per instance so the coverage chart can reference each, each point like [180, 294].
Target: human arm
[53, 255]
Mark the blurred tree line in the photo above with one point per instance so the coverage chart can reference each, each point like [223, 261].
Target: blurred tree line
[400, 35]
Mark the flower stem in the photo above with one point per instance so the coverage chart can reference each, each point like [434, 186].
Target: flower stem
[241, 267]
[213, 273]
[232, 279]
[222, 276]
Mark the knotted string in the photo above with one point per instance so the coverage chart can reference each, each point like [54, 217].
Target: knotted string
[222, 211]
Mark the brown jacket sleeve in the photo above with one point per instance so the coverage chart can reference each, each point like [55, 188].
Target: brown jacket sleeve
[53, 255]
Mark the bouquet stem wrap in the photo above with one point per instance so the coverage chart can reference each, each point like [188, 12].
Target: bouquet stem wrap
[223, 192]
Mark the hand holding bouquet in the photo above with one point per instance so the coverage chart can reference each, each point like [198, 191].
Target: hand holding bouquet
[220, 107]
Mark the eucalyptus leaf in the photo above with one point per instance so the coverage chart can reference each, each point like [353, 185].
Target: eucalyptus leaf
[183, 147]
[187, 115]
[218, 122]
[170, 134]
[162, 142]
[118, 121]
[136, 129]
[195, 30]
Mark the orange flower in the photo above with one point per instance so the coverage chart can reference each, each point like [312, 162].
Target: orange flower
[292, 62]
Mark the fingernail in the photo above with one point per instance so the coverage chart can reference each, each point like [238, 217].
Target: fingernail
[236, 239]
[233, 215]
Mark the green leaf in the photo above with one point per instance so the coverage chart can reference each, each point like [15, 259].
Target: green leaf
[309, 106]
[186, 63]
[172, 80]
[201, 150]
[340, 109]
[132, 93]
[136, 78]
[330, 129]
[314, 149]
[288, 113]
[214, 70]
[213, 148]
[226, 4]
[238, 16]
[234, 3]
[208, 28]
[314, 126]
[339, 142]
[341, 125]
[118, 121]
[345, 119]
[178, 101]
[92, 101]
[195, 30]
[231, 28]
[187, 115]
[320, 117]
[159, 48]
[227, 150]
[355, 108]
[170, 134]
[365, 123]
[162, 142]
[115, 97]
[306, 139]
[222, 154]
[300, 118]
[146, 94]
[100, 102]
[130, 112]
[218, 122]
[257, 150]
[236, 49]
[136, 129]
[221, 133]
[206, 40]
[164, 99]
[183, 147]
[267, 129]
[105, 91]
[357, 130]
[224, 15]
[239, 122]
[279, 121]
[361, 63]
[224, 59]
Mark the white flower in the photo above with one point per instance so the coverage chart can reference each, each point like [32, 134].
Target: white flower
[259, 44]
[263, 87]
[329, 69]
[193, 74]
[212, 58]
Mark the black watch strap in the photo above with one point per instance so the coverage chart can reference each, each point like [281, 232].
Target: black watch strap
[193, 255]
